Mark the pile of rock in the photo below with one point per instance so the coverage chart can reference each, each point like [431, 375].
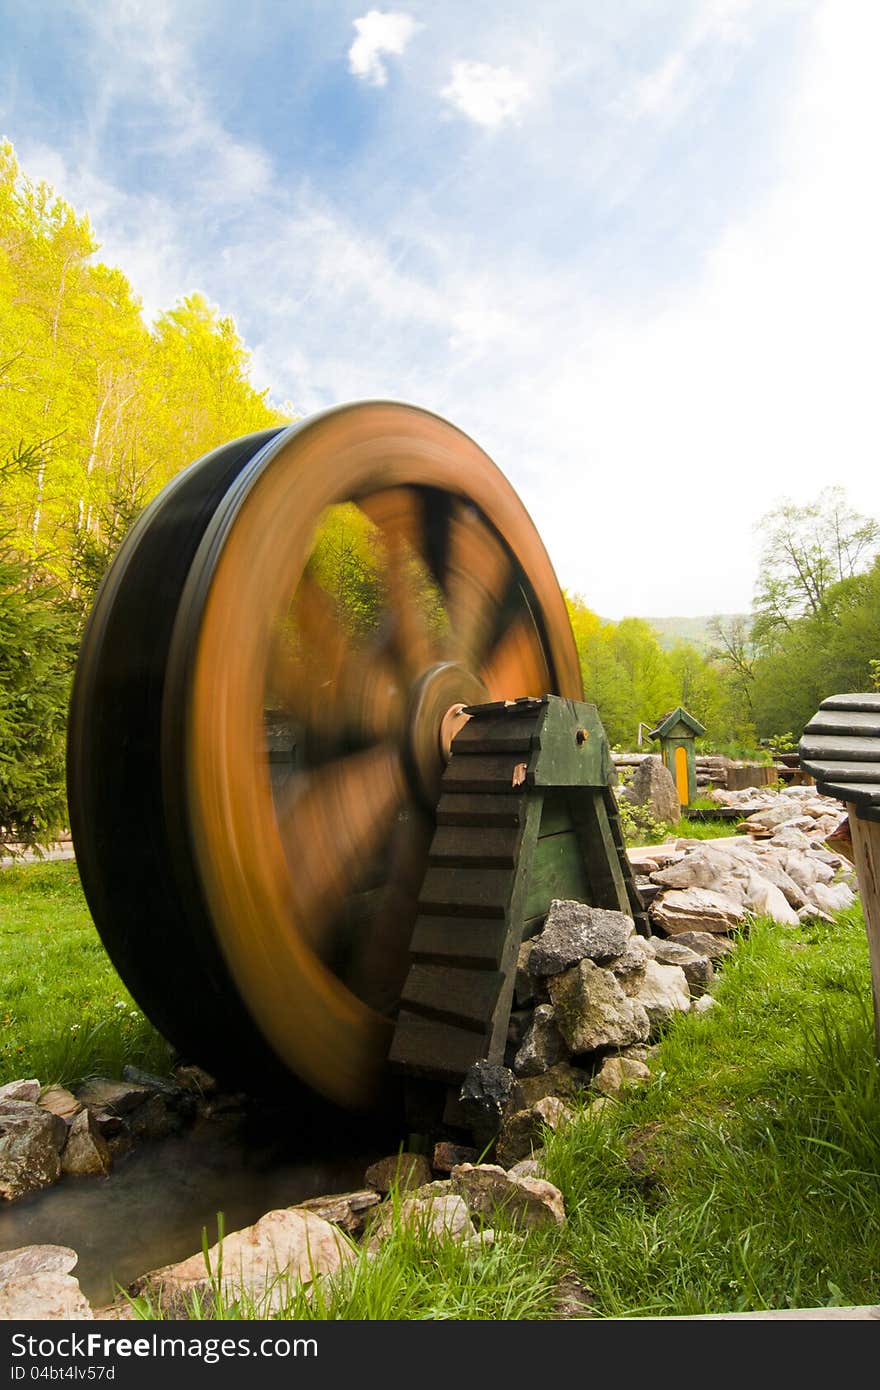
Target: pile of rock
[47, 1132]
[778, 865]
[303, 1244]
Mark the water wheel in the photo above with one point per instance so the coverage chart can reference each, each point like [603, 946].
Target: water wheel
[263, 705]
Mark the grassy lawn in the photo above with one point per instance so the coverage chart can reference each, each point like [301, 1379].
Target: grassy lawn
[745, 1175]
[64, 1012]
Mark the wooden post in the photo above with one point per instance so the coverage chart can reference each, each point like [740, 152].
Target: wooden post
[866, 853]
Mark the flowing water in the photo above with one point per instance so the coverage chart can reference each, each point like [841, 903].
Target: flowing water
[152, 1208]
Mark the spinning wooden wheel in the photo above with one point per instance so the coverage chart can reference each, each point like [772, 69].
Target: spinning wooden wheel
[264, 703]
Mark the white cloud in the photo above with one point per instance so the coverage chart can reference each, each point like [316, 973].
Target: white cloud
[379, 32]
[489, 96]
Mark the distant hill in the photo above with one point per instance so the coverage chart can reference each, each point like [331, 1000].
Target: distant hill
[695, 630]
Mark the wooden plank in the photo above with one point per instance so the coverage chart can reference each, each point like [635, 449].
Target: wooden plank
[476, 941]
[822, 748]
[478, 808]
[841, 773]
[496, 735]
[482, 772]
[489, 847]
[466, 892]
[863, 793]
[453, 994]
[866, 851]
[573, 749]
[438, 1051]
[601, 846]
[846, 723]
[557, 872]
[556, 814]
[496, 1040]
[867, 701]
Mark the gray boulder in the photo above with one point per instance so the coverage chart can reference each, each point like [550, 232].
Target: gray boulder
[663, 993]
[30, 1145]
[653, 786]
[487, 1188]
[85, 1152]
[543, 1045]
[592, 1010]
[697, 969]
[572, 932]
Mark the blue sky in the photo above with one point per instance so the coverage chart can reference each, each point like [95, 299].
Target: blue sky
[630, 247]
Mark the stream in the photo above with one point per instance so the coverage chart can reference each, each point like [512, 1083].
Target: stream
[152, 1208]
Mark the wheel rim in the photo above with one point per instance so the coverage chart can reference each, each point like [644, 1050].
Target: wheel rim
[280, 872]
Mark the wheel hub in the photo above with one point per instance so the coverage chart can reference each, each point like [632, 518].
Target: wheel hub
[435, 716]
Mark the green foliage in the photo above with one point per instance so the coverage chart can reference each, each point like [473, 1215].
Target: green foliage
[36, 651]
[97, 413]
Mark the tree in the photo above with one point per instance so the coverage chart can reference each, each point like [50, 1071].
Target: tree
[806, 550]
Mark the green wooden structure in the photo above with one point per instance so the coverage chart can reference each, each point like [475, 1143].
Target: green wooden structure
[526, 814]
[677, 732]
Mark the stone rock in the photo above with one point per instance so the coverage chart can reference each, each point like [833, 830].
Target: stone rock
[775, 815]
[788, 837]
[573, 932]
[653, 786]
[169, 1090]
[35, 1259]
[704, 1004]
[30, 1143]
[42, 1298]
[59, 1101]
[196, 1080]
[629, 969]
[484, 1098]
[563, 1080]
[698, 969]
[524, 986]
[21, 1090]
[592, 1010]
[117, 1097]
[532, 1167]
[601, 1110]
[705, 943]
[260, 1260]
[523, 1131]
[405, 1171]
[347, 1210]
[543, 1045]
[663, 993]
[766, 900]
[805, 869]
[617, 1072]
[814, 914]
[447, 1156]
[85, 1152]
[771, 869]
[694, 909]
[532, 1203]
[701, 868]
[438, 1216]
[832, 897]
[150, 1120]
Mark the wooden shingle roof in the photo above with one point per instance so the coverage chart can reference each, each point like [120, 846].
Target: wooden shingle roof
[840, 748]
[675, 716]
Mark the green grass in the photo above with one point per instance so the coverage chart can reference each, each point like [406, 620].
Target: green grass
[744, 1176]
[64, 1012]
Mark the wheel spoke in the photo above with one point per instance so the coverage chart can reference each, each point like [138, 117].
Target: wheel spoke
[517, 665]
[330, 684]
[331, 824]
[478, 576]
[399, 516]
